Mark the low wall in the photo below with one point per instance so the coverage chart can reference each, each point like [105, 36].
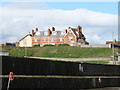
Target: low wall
[95, 46]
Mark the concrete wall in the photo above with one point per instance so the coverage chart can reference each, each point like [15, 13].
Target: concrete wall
[26, 42]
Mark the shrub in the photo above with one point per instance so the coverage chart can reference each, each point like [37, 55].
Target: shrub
[48, 45]
[36, 45]
[63, 45]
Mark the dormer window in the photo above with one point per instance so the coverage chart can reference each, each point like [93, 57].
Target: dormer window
[54, 33]
[37, 33]
[35, 39]
[52, 40]
[44, 40]
[70, 38]
[70, 32]
[46, 33]
[62, 33]
[61, 39]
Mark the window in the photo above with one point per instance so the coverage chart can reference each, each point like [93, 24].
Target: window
[46, 33]
[25, 43]
[62, 33]
[70, 38]
[37, 33]
[61, 39]
[52, 40]
[38, 40]
[35, 39]
[70, 32]
[44, 40]
[54, 33]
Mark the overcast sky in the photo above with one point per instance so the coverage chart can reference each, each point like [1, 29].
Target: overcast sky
[98, 19]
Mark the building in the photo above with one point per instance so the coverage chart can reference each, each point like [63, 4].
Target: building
[2, 44]
[4, 53]
[26, 41]
[71, 36]
[8, 44]
[113, 42]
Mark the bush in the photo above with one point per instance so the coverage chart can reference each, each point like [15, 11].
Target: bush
[48, 45]
[63, 45]
[36, 45]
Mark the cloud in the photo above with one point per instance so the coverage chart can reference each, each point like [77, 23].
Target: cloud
[16, 23]
[25, 5]
[95, 39]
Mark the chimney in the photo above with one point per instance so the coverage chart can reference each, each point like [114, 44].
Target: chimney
[79, 30]
[36, 29]
[33, 32]
[65, 30]
[53, 29]
[48, 32]
[69, 27]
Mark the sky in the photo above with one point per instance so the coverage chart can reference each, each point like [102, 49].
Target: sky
[99, 20]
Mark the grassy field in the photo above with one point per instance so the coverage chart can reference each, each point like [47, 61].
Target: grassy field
[59, 52]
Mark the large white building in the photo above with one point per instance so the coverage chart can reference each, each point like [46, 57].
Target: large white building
[26, 41]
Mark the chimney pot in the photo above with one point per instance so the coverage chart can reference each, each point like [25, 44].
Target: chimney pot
[79, 30]
[69, 27]
[33, 32]
[53, 29]
[48, 32]
[65, 30]
[36, 29]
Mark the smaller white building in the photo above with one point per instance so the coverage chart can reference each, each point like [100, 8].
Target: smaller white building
[4, 53]
[26, 41]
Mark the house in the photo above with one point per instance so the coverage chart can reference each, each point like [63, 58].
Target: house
[2, 44]
[71, 36]
[8, 44]
[26, 41]
[4, 53]
[113, 42]
[17, 44]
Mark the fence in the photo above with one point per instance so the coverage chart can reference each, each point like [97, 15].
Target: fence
[45, 74]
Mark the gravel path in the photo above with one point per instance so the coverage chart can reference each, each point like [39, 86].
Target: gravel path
[73, 59]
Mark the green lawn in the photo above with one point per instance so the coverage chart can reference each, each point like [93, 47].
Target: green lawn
[59, 52]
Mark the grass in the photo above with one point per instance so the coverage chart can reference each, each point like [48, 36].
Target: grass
[17, 51]
[72, 52]
[59, 52]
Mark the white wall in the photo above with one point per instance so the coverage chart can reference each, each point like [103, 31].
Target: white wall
[26, 42]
